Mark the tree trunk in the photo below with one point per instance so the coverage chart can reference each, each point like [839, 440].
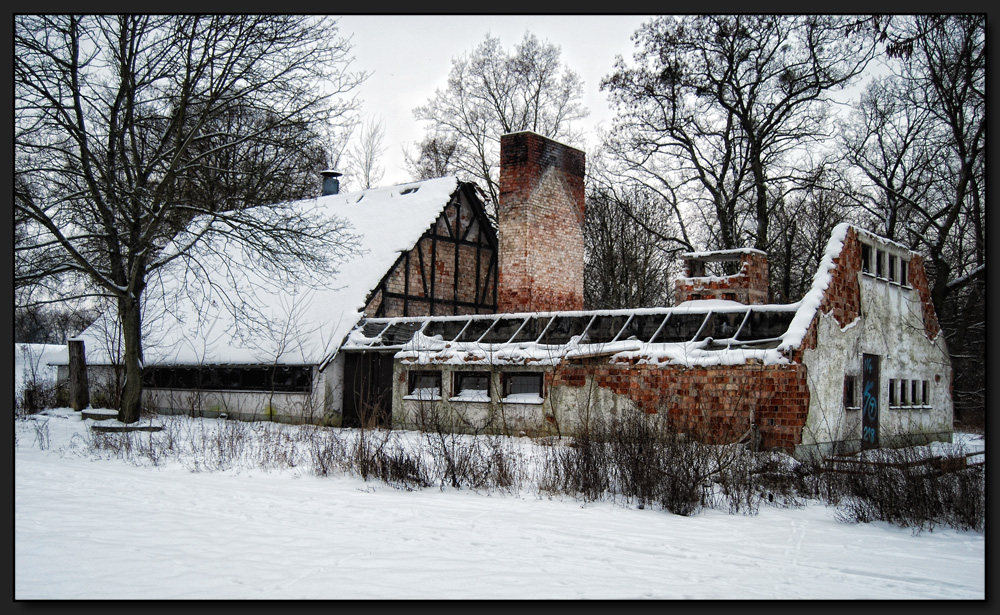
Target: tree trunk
[132, 330]
[79, 391]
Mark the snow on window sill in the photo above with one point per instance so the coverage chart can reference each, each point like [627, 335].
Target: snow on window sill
[522, 398]
[424, 395]
[471, 396]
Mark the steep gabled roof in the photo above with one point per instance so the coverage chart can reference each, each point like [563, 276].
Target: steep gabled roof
[294, 324]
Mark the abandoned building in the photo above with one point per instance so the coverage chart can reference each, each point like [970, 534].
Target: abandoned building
[442, 318]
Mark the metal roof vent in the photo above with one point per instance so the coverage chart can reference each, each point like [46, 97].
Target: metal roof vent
[331, 185]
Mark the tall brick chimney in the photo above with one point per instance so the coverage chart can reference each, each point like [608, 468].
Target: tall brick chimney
[540, 217]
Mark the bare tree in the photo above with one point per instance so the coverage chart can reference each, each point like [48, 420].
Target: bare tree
[729, 106]
[626, 263]
[364, 155]
[920, 146]
[434, 157]
[127, 127]
[492, 92]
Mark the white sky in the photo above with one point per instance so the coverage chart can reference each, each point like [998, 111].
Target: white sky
[410, 57]
[97, 527]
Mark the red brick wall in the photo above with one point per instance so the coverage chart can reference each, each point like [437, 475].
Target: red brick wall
[918, 280]
[749, 286]
[713, 403]
[541, 215]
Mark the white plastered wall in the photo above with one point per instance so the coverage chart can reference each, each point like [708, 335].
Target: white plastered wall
[891, 327]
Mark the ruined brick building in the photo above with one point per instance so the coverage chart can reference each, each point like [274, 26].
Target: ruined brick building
[443, 315]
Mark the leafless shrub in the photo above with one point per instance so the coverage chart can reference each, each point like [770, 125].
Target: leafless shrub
[378, 454]
[909, 487]
[41, 429]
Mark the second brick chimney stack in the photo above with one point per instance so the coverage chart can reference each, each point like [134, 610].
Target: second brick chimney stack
[540, 216]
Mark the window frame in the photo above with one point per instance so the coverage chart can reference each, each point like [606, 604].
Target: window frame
[413, 378]
[457, 379]
[510, 396]
[851, 392]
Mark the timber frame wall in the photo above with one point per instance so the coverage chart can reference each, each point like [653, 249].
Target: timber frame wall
[451, 270]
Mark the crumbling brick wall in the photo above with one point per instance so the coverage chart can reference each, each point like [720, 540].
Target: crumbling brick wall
[713, 403]
[748, 286]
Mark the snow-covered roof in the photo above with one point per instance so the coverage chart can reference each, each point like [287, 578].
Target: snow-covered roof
[297, 324]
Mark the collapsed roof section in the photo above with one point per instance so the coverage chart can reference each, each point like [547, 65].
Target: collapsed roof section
[711, 332]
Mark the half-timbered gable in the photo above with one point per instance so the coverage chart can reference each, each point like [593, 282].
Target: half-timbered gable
[452, 269]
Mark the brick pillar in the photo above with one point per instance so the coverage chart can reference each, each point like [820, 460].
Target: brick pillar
[540, 216]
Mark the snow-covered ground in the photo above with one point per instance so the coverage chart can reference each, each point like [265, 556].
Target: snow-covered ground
[87, 527]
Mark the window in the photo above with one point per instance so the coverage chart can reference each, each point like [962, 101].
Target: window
[902, 393]
[915, 393]
[850, 395]
[902, 272]
[892, 391]
[523, 387]
[925, 397]
[284, 378]
[866, 258]
[471, 386]
[892, 267]
[879, 264]
[425, 385]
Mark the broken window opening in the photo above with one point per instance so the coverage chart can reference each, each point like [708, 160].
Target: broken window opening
[471, 386]
[424, 385]
[523, 387]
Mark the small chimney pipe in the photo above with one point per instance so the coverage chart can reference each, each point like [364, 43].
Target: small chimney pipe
[331, 185]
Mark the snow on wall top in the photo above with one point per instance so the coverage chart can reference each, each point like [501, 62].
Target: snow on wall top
[298, 323]
[722, 254]
[810, 303]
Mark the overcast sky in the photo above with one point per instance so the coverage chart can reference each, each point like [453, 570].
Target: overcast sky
[410, 56]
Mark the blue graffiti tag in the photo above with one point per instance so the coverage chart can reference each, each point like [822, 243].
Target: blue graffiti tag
[870, 403]
[868, 434]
